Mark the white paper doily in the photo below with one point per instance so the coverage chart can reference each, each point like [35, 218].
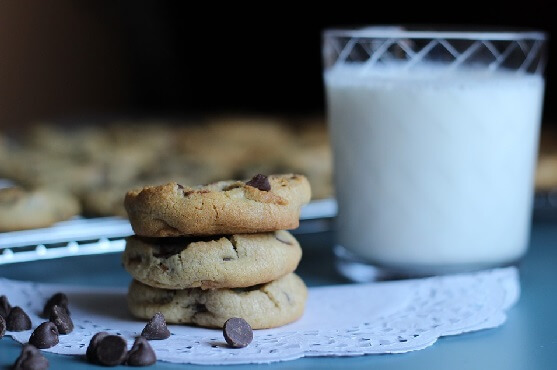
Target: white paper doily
[341, 320]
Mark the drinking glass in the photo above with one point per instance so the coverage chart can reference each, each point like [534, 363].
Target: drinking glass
[435, 136]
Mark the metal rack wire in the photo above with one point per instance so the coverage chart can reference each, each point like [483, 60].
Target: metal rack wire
[86, 236]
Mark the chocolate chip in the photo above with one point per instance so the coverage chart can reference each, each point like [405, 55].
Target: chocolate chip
[237, 332]
[5, 307]
[181, 187]
[45, 335]
[59, 316]
[18, 320]
[156, 328]
[91, 353]
[112, 350]
[2, 327]
[141, 353]
[30, 358]
[260, 182]
[58, 299]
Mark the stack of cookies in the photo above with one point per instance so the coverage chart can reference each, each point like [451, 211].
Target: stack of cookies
[204, 254]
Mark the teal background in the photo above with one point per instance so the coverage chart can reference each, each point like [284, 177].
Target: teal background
[528, 340]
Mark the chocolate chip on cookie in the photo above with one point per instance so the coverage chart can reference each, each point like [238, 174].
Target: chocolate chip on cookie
[59, 316]
[18, 320]
[30, 358]
[45, 335]
[142, 353]
[5, 307]
[237, 332]
[260, 182]
[156, 328]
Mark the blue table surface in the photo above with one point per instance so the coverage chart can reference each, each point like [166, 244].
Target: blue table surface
[528, 340]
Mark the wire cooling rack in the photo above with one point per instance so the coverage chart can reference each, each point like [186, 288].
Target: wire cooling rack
[85, 236]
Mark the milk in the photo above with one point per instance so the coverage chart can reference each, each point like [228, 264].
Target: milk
[434, 168]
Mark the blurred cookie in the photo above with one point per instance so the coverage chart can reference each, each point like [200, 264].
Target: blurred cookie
[546, 172]
[105, 201]
[316, 163]
[77, 141]
[236, 141]
[20, 209]
[225, 207]
[35, 169]
[230, 261]
[263, 306]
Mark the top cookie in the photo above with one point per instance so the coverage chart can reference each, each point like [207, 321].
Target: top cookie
[225, 207]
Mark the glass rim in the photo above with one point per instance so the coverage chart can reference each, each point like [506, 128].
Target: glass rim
[441, 32]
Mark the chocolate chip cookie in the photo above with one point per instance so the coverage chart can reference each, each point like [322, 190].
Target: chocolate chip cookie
[263, 306]
[230, 261]
[225, 207]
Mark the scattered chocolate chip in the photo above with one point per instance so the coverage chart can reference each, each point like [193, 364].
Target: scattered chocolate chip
[91, 353]
[30, 358]
[142, 353]
[5, 307]
[2, 327]
[58, 299]
[260, 182]
[237, 332]
[112, 350]
[59, 316]
[181, 187]
[156, 328]
[45, 335]
[18, 320]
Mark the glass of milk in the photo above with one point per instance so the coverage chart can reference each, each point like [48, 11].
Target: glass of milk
[435, 137]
